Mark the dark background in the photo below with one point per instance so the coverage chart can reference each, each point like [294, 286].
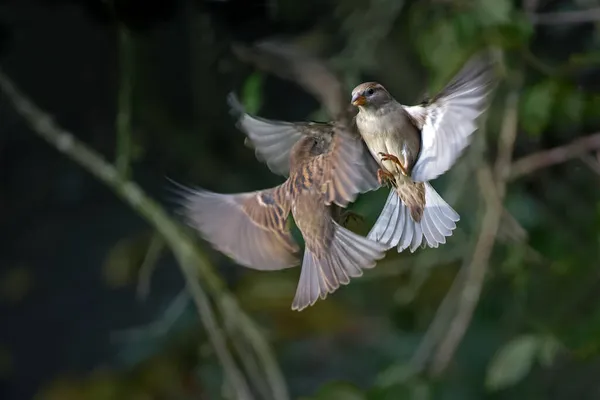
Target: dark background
[71, 251]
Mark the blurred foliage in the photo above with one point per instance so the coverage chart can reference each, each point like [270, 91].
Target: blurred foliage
[536, 331]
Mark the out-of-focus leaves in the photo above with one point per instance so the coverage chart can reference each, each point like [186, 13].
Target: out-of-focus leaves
[514, 34]
[440, 50]
[125, 259]
[273, 293]
[493, 12]
[396, 374]
[570, 107]
[414, 390]
[6, 362]
[252, 93]
[267, 290]
[536, 106]
[548, 349]
[62, 389]
[15, 283]
[102, 385]
[592, 109]
[525, 209]
[161, 374]
[338, 391]
[512, 362]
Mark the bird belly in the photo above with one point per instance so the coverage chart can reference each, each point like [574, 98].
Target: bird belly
[388, 145]
[313, 219]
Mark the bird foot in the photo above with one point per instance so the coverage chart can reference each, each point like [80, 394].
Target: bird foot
[348, 215]
[384, 178]
[394, 159]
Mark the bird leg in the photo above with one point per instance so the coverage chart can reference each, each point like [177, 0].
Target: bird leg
[347, 215]
[394, 159]
[385, 177]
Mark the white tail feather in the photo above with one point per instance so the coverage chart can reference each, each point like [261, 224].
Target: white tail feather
[395, 226]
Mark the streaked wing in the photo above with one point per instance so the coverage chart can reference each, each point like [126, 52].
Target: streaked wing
[248, 227]
[272, 140]
[348, 167]
[449, 120]
[291, 63]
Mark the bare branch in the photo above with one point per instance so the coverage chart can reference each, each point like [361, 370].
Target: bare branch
[566, 17]
[476, 270]
[123, 122]
[557, 155]
[190, 260]
[153, 253]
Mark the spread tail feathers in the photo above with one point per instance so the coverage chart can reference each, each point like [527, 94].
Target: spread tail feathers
[396, 227]
[345, 258]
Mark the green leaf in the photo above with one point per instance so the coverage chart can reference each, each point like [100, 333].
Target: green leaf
[548, 349]
[512, 362]
[536, 106]
[252, 93]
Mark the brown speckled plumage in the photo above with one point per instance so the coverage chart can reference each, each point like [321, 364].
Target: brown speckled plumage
[327, 165]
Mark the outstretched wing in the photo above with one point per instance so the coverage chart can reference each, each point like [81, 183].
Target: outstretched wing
[348, 168]
[272, 140]
[448, 120]
[248, 227]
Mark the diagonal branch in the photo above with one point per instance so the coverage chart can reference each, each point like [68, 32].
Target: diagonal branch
[474, 273]
[190, 260]
[557, 155]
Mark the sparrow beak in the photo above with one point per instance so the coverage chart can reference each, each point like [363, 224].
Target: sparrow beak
[358, 100]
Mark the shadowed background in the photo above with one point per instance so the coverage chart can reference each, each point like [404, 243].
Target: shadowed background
[94, 305]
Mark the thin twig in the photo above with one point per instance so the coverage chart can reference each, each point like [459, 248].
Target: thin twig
[566, 17]
[185, 252]
[546, 158]
[253, 334]
[436, 330]
[156, 328]
[123, 120]
[155, 248]
[477, 268]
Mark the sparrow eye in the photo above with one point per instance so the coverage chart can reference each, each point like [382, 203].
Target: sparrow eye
[370, 91]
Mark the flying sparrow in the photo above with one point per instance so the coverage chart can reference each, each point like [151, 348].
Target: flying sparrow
[327, 165]
[416, 144]
[291, 63]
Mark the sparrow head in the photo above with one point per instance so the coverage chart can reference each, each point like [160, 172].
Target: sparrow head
[370, 95]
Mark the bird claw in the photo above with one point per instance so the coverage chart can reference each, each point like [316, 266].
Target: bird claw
[394, 159]
[347, 215]
[384, 178]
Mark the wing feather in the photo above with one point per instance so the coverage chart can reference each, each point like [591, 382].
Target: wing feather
[349, 169]
[449, 120]
[248, 227]
[272, 140]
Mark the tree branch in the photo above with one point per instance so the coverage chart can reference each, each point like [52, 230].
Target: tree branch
[123, 121]
[475, 272]
[190, 260]
[557, 155]
[566, 17]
